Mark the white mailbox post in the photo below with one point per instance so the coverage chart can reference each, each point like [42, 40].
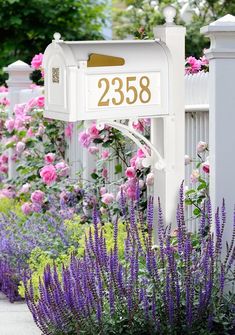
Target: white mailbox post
[111, 80]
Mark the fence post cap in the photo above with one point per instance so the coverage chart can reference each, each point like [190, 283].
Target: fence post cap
[169, 13]
[225, 23]
[18, 66]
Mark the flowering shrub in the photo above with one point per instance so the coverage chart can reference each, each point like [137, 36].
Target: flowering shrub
[132, 178]
[194, 65]
[174, 288]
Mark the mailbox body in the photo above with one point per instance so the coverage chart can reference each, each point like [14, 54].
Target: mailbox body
[138, 88]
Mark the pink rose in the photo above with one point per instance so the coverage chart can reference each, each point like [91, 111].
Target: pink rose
[85, 139]
[131, 193]
[3, 89]
[27, 208]
[20, 146]
[104, 173]
[4, 101]
[93, 150]
[25, 188]
[62, 169]
[4, 158]
[49, 158]
[130, 172]
[10, 124]
[140, 152]
[48, 174]
[206, 167]
[31, 104]
[37, 197]
[36, 62]
[204, 61]
[19, 110]
[93, 131]
[68, 130]
[194, 65]
[150, 179]
[3, 168]
[41, 130]
[105, 154]
[18, 124]
[138, 125]
[133, 160]
[194, 176]
[107, 198]
[103, 190]
[202, 146]
[30, 133]
[7, 193]
[40, 101]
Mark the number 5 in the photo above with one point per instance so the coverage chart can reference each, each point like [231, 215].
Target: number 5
[131, 88]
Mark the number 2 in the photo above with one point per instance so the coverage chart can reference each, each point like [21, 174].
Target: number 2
[101, 102]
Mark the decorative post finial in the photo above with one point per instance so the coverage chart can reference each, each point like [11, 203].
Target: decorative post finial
[57, 37]
[169, 13]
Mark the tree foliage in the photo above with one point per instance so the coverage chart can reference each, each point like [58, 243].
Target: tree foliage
[27, 27]
[137, 18]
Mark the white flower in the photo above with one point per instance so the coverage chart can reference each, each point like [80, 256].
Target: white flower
[187, 160]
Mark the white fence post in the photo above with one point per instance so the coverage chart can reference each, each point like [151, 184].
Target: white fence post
[221, 57]
[168, 133]
[18, 80]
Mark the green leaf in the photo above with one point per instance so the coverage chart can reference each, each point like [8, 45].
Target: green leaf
[190, 192]
[118, 168]
[10, 145]
[94, 175]
[201, 187]
[188, 202]
[97, 140]
[196, 211]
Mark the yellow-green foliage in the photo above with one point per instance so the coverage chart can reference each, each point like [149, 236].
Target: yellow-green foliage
[38, 261]
[78, 232]
[10, 205]
[39, 258]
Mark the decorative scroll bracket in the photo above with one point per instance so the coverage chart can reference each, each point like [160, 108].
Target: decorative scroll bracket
[154, 159]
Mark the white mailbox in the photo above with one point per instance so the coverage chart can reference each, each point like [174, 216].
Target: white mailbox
[106, 79]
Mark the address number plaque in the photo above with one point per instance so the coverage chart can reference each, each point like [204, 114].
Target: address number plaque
[123, 89]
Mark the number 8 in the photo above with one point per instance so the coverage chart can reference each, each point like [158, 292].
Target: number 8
[145, 88]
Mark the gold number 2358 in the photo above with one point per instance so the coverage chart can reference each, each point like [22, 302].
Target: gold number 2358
[144, 93]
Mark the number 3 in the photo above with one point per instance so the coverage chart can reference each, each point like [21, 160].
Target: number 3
[119, 90]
